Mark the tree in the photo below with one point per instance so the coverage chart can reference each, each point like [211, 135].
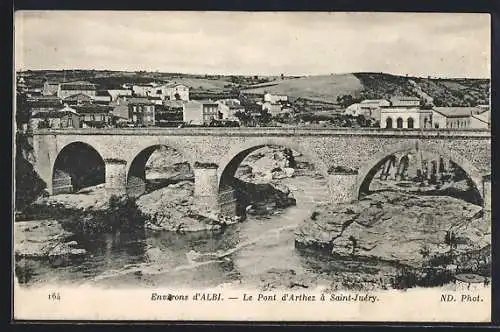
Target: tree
[22, 110]
[345, 100]
[244, 117]
[361, 120]
[265, 116]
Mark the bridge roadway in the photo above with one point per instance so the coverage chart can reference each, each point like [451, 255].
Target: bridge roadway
[346, 156]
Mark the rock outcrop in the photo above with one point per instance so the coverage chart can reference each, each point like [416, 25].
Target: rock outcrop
[45, 239]
[401, 228]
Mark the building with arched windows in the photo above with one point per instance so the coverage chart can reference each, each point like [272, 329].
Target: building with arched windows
[461, 117]
[405, 113]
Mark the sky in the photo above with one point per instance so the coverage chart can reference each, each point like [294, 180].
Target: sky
[246, 43]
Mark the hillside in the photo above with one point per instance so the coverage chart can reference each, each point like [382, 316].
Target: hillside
[444, 92]
[319, 88]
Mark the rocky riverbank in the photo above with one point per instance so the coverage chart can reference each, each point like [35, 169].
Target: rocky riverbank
[42, 239]
[408, 230]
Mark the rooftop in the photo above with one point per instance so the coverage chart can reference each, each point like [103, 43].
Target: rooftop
[205, 101]
[406, 98]
[78, 96]
[457, 112]
[173, 85]
[78, 85]
[173, 103]
[93, 108]
[373, 101]
[102, 93]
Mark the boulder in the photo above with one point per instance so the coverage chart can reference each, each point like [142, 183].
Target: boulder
[397, 227]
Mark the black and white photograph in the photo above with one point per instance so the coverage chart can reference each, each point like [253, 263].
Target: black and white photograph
[299, 156]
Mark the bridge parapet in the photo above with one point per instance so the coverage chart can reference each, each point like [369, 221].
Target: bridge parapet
[271, 131]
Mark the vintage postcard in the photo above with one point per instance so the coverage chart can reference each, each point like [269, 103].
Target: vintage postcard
[263, 166]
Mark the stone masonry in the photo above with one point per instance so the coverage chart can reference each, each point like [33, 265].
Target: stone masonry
[356, 150]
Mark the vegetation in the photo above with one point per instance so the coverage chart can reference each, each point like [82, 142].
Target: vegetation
[28, 184]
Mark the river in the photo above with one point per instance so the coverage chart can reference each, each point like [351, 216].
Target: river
[258, 252]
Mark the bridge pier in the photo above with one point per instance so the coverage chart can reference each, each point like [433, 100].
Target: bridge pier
[116, 176]
[342, 187]
[206, 187]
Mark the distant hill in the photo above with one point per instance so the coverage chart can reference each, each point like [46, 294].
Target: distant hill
[319, 89]
[327, 88]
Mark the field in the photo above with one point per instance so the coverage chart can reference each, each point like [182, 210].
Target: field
[325, 88]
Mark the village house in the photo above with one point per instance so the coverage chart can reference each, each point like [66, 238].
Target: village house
[405, 102]
[66, 117]
[273, 108]
[43, 103]
[175, 91]
[50, 88]
[170, 113]
[78, 87]
[120, 106]
[274, 99]
[155, 100]
[229, 108]
[169, 91]
[143, 90]
[95, 116]
[368, 108]
[77, 99]
[461, 117]
[115, 93]
[141, 113]
[201, 112]
[405, 112]
[102, 97]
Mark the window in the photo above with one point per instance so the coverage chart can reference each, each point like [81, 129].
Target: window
[102, 117]
[148, 118]
[70, 122]
[388, 123]
[92, 117]
[399, 123]
[436, 125]
[410, 122]
[158, 92]
[134, 118]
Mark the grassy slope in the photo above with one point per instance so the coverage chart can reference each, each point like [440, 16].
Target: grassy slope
[320, 88]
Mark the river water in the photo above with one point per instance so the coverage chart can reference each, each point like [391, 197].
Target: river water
[258, 252]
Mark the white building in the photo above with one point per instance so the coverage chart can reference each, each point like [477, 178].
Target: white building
[169, 91]
[229, 107]
[175, 91]
[273, 108]
[200, 112]
[461, 117]
[115, 93]
[78, 87]
[368, 108]
[268, 97]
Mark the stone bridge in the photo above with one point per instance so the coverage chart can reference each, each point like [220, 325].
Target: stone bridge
[215, 153]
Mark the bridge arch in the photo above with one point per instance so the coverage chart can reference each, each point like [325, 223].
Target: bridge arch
[230, 162]
[367, 171]
[135, 172]
[77, 165]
